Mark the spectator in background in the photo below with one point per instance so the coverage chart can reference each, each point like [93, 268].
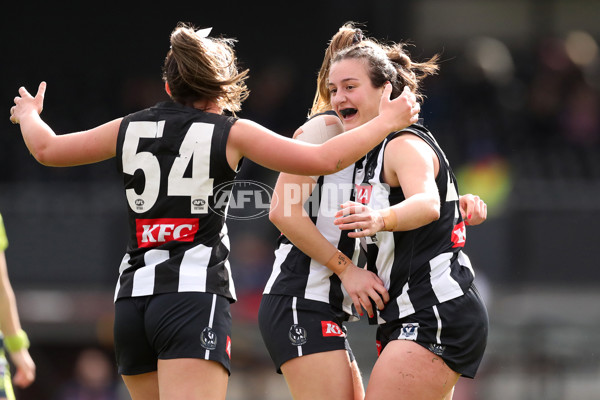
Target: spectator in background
[93, 378]
[15, 338]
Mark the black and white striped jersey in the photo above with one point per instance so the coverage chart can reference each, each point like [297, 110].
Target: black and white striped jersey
[176, 178]
[424, 266]
[296, 274]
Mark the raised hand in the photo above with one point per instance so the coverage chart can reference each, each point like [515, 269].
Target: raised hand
[401, 112]
[26, 103]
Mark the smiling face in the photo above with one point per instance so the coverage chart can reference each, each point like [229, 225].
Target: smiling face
[353, 96]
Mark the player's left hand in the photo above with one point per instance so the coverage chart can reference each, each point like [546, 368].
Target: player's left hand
[472, 209]
[356, 216]
[26, 103]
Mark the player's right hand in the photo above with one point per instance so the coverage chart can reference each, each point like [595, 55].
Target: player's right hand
[402, 111]
[363, 285]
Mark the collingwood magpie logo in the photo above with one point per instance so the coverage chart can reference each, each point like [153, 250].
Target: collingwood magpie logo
[297, 335]
[208, 338]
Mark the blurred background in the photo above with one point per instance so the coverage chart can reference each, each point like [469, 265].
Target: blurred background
[516, 107]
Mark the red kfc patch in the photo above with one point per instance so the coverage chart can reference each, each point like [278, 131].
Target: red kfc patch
[154, 232]
[330, 328]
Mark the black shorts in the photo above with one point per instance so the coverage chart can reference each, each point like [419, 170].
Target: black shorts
[293, 327]
[169, 326]
[455, 330]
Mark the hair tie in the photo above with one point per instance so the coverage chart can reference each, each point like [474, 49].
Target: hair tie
[202, 33]
[358, 36]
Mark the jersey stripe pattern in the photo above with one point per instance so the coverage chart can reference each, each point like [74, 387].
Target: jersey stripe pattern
[296, 274]
[425, 266]
[176, 175]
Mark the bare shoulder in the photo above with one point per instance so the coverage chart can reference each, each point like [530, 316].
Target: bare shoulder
[319, 129]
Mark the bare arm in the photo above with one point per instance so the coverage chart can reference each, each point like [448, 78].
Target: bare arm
[289, 215]
[273, 151]
[11, 325]
[411, 164]
[71, 149]
[292, 220]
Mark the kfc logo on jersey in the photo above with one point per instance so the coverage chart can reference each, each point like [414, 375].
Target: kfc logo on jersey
[459, 235]
[330, 328]
[363, 193]
[155, 232]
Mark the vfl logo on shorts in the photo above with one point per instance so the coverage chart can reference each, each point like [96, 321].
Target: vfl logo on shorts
[297, 335]
[409, 331]
[208, 338]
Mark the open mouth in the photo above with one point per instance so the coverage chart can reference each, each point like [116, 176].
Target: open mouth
[348, 112]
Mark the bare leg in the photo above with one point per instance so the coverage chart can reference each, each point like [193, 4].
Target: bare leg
[319, 376]
[406, 370]
[357, 382]
[191, 378]
[142, 386]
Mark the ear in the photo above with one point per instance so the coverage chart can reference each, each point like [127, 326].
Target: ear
[167, 89]
[383, 87]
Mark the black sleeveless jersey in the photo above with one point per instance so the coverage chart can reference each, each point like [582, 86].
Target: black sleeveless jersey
[177, 185]
[425, 266]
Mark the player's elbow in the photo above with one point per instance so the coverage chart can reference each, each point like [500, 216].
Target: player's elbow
[276, 215]
[41, 155]
[434, 214]
[329, 165]
[433, 209]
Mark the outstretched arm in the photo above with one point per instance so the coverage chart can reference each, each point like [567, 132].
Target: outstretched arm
[248, 139]
[289, 215]
[77, 148]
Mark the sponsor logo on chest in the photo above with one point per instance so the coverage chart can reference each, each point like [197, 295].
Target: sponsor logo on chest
[459, 235]
[155, 232]
[363, 193]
